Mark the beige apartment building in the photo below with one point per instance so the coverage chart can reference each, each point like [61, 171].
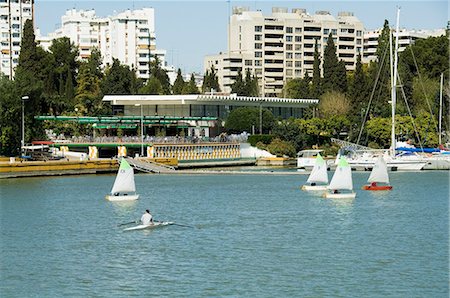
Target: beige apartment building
[13, 14]
[280, 47]
[128, 36]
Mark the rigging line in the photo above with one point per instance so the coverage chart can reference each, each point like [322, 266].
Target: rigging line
[409, 111]
[371, 96]
[421, 84]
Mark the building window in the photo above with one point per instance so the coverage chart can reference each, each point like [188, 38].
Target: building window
[298, 55]
[248, 62]
[288, 29]
[298, 47]
[298, 64]
[326, 31]
[358, 41]
[258, 54]
[289, 47]
[289, 55]
[288, 63]
[258, 28]
[298, 30]
[344, 30]
[258, 62]
[298, 39]
[289, 72]
[334, 32]
[358, 33]
[258, 45]
[289, 38]
[258, 37]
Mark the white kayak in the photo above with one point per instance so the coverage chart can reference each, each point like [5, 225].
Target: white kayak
[151, 226]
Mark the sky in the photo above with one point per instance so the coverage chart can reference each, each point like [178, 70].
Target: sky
[190, 30]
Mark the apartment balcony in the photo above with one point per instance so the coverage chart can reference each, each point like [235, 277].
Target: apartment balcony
[279, 40]
[273, 55]
[274, 64]
[274, 31]
[274, 48]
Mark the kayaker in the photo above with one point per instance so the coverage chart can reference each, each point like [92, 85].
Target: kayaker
[147, 218]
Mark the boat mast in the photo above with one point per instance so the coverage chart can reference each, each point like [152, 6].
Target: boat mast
[394, 83]
[440, 110]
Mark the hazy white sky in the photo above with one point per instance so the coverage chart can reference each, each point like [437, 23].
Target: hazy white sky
[189, 30]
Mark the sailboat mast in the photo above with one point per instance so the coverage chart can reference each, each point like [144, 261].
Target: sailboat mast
[440, 110]
[394, 82]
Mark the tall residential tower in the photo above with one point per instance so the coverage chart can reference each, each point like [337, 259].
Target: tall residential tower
[13, 14]
[280, 47]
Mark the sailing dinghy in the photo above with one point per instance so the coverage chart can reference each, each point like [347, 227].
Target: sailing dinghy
[124, 188]
[379, 174]
[341, 181]
[318, 179]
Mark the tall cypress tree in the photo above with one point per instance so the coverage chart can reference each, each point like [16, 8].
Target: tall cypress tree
[330, 66]
[341, 83]
[358, 88]
[179, 83]
[316, 88]
[191, 87]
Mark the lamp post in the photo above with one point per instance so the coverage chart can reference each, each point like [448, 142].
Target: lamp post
[142, 129]
[22, 142]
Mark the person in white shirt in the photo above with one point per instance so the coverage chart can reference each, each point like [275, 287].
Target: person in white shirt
[147, 218]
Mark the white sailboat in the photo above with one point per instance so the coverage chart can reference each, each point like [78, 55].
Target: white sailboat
[379, 174]
[341, 181]
[124, 188]
[366, 160]
[318, 179]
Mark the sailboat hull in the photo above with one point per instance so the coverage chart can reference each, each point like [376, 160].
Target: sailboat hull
[350, 195]
[122, 198]
[314, 187]
[151, 226]
[381, 187]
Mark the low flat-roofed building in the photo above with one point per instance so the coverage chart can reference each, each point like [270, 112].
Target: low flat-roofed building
[201, 110]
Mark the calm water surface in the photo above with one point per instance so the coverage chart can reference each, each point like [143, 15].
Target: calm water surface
[254, 236]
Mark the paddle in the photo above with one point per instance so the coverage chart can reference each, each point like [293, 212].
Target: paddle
[175, 224]
[127, 223]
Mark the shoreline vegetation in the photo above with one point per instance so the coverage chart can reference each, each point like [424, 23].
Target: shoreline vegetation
[353, 105]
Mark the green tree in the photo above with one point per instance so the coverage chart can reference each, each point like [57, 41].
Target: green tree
[10, 116]
[119, 79]
[245, 118]
[316, 88]
[334, 103]
[161, 75]
[282, 148]
[191, 86]
[210, 81]
[28, 79]
[153, 86]
[358, 89]
[331, 67]
[379, 73]
[179, 83]
[238, 85]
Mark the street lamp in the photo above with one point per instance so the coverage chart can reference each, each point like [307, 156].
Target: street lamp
[142, 129]
[22, 142]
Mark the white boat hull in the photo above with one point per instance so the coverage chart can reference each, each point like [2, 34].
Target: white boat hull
[151, 226]
[122, 198]
[314, 188]
[350, 195]
[393, 165]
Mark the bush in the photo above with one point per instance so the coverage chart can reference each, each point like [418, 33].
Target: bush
[281, 148]
[265, 139]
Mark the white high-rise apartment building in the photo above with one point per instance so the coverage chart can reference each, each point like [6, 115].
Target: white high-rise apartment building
[13, 14]
[128, 36]
[280, 47]
[405, 38]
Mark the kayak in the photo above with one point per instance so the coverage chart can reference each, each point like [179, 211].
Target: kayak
[151, 226]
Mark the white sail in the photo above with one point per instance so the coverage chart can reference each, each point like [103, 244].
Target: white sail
[319, 172]
[379, 171]
[342, 178]
[125, 179]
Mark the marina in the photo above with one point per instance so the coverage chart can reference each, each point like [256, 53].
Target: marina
[255, 235]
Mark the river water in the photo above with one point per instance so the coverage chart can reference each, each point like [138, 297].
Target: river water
[253, 236]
